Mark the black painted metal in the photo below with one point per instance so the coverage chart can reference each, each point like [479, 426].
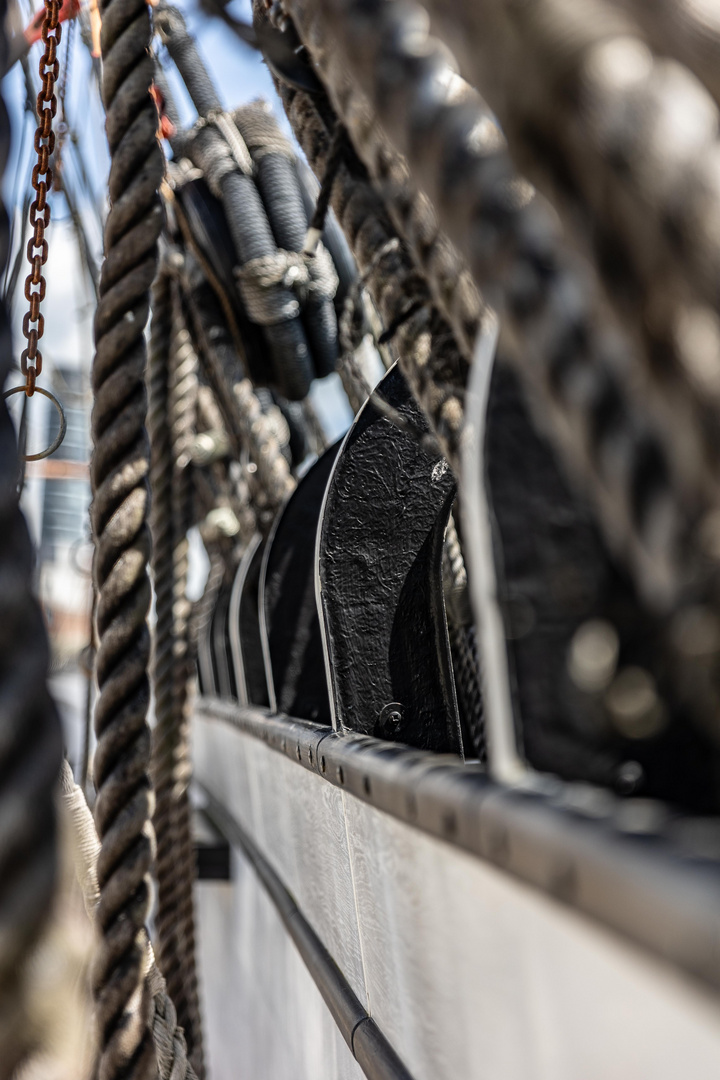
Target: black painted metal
[220, 645]
[640, 875]
[380, 580]
[205, 664]
[255, 689]
[371, 1049]
[289, 621]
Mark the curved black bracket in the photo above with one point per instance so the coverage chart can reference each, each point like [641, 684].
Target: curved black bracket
[205, 666]
[289, 621]
[220, 647]
[244, 628]
[380, 579]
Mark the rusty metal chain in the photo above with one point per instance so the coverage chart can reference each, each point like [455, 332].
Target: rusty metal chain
[37, 249]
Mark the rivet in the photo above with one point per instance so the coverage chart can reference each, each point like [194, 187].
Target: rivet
[629, 778]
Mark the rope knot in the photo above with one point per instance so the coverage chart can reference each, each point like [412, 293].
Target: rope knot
[275, 287]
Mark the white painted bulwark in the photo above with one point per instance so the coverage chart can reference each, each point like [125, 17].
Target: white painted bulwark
[469, 973]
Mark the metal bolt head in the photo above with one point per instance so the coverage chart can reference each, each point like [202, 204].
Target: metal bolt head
[391, 716]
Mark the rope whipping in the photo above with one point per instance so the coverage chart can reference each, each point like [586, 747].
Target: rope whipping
[30, 737]
[119, 478]
[174, 920]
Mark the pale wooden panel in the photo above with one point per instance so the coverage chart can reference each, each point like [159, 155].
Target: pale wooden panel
[297, 820]
[472, 975]
[263, 1015]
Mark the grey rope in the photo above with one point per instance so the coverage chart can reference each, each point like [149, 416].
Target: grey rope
[30, 739]
[119, 471]
[171, 1053]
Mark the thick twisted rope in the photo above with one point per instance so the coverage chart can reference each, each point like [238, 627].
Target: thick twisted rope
[170, 1049]
[161, 471]
[625, 143]
[578, 371]
[182, 387]
[172, 390]
[30, 740]
[119, 473]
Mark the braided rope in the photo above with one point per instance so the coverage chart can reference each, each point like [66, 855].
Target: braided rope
[119, 471]
[30, 740]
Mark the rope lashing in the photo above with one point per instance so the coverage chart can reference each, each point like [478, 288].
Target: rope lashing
[119, 474]
[30, 736]
[297, 272]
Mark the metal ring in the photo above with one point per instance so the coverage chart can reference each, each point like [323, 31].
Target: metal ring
[63, 421]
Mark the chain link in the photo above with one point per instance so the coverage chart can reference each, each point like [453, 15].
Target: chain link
[37, 249]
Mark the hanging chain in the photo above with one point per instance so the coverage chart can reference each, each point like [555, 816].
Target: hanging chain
[37, 249]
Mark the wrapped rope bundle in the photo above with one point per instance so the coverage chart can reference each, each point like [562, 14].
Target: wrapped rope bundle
[250, 169]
